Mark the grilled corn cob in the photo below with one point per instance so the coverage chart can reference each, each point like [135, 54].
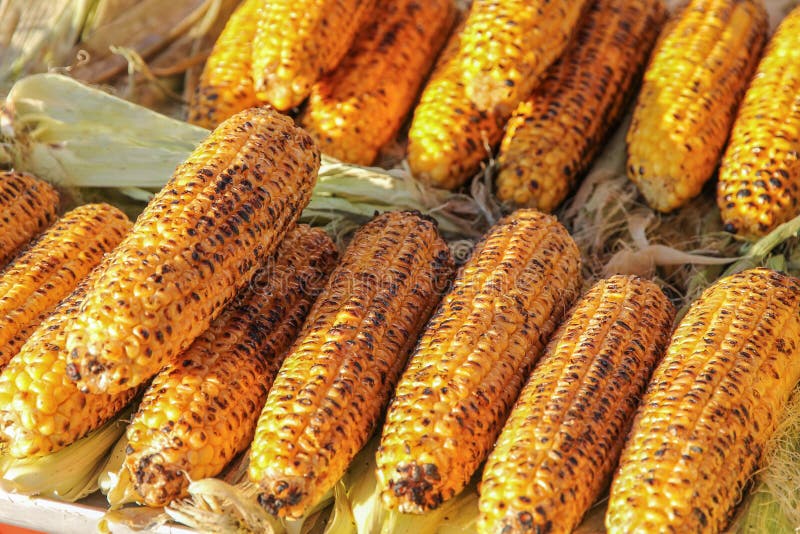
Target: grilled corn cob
[554, 134]
[41, 409]
[712, 403]
[692, 87]
[564, 435]
[486, 70]
[197, 242]
[297, 41]
[201, 410]
[27, 206]
[332, 388]
[226, 84]
[472, 359]
[759, 179]
[359, 107]
[51, 267]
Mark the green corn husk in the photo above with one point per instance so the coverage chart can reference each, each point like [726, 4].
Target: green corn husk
[67, 475]
[80, 137]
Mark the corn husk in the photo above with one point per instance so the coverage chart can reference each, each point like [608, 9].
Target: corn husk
[68, 474]
[80, 137]
[37, 36]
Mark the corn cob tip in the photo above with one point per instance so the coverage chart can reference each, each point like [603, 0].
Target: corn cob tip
[28, 205]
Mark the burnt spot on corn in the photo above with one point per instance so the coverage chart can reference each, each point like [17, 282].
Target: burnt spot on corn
[471, 95]
[335, 383]
[416, 484]
[713, 401]
[556, 132]
[27, 206]
[297, 41]
[696, 77]
[562, 440]
[356, 109]
[759, 179]
[159, 276]
[473, 356]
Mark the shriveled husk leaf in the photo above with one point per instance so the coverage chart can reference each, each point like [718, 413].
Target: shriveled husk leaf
[37, 36]
[145, 27]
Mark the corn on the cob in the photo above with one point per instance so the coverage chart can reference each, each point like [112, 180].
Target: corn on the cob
[27, 206]
[694, 82]
[51, 267]
[472, 359]
[201, 410]
[41, 409]
[197, 242]
[555, 133]
[226, 84]
[564, 435]
[327, 398]
[712, 403]
[759, 179]
[486, 70]
[297, 41]
[358, 108]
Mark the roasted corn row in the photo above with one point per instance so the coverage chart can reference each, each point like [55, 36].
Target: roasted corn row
[41, 409]
[759, 179]
[473, 358]
[334, 385]
[712, 403]
[201, 410]
[694, 82]
[195, 245]
[51, 268]
[27, 206]
[472, 92]
[226, 84]
[359, 107]
[297, 41]
[554, 135]
[562, 440]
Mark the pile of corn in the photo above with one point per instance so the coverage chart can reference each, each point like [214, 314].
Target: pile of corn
[271, 376]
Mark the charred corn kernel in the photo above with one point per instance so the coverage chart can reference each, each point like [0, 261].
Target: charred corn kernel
[472, 359]
[218, 386]
[692, 86]
[562, 440]
[332, 388]
[52, 267]
[711, 405]
[759, 179]
[41, 409]
[195, 245]
[226, 84]
[359, 107]
[27, 206]
[297, 41]
[554, 135]
[489, 66]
